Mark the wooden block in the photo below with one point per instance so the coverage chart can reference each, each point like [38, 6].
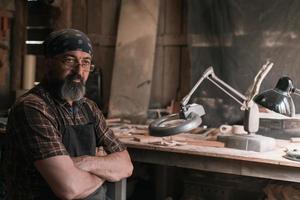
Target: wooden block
[295, 140]
[139, 132]
[196, 139]
[176, 140]
[207, 143]
[113, 120]
[147, 139]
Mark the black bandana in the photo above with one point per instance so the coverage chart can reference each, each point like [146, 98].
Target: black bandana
[64, 40]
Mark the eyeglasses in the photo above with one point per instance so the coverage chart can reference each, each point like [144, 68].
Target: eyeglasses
[71, 63]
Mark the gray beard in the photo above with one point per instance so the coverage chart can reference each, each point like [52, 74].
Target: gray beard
[72, 91]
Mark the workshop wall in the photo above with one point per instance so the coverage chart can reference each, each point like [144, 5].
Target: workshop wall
[237, 37]
[171, 76]
[6, 14]
[99, 19]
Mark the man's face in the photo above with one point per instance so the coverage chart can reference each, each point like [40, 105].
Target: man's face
[71, 70]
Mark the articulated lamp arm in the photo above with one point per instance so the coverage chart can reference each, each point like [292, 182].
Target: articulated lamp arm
[237, 96]
[251, 119]
[211, 76]
[209, 71]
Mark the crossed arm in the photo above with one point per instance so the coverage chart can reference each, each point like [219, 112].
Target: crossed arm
[62, 173]
[75, 178]
[112, 167]
[65, 179]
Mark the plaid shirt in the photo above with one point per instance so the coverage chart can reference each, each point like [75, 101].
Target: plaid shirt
[34, 134]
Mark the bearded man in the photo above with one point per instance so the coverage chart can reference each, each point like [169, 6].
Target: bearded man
[53, 131]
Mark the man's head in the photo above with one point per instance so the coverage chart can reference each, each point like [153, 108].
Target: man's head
[68, 55]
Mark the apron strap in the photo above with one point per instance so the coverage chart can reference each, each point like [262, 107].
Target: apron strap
[88, 113]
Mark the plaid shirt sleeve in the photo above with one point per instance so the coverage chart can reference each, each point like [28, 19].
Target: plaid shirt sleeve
[106, 138]
[37, 131]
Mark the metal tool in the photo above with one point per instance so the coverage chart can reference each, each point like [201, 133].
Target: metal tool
[293, 154]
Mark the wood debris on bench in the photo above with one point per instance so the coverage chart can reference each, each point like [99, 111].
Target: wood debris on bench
[140, 133]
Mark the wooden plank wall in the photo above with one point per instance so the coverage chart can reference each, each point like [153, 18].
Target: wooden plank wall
[172, 69]
[99, 19]
[18, 48]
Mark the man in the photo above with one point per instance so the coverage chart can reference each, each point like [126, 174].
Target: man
[53, 131]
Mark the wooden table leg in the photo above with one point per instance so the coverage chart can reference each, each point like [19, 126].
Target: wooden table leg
[119, 192]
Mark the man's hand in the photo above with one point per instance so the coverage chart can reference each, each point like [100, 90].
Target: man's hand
[112, 167]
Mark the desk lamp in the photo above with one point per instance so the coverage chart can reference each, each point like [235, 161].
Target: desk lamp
[192, 113]
[279, 99]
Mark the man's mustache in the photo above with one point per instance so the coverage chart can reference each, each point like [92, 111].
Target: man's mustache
[73, 77]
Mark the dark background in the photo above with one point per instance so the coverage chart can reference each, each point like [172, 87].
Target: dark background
[237, 37]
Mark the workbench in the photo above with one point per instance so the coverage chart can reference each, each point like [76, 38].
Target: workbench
[268, 165]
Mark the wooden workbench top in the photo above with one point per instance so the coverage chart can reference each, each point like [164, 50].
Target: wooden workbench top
[270, 157]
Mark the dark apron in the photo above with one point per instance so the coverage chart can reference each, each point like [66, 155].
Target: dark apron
[78, 140]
